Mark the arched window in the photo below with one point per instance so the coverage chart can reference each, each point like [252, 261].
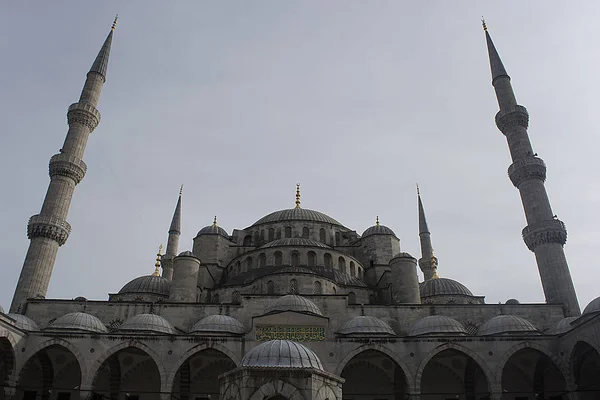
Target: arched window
[327, 260]
[305, 232]
[278, 259]
[215, 298]
[262, 260]
[247, 240]
[295, 259]
[293, 286]
[342, 264]
[288, 232]
[352, 269]
[270, 287]
[312, 259]
[271, 234]
[322, 236]
[351, 298]
[318, 288]
[262, 235]
[249, 262]
[278, 233]
[256, 238]
[338, 239]
[236, 297]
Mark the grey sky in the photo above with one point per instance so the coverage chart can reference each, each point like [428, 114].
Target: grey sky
[355, 100]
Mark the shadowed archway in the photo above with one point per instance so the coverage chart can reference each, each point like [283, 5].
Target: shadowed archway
[585, 364]
[7, 364]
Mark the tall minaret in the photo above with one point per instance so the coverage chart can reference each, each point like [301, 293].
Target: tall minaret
[173, 241]
[49, 229]
[428, 262]
[544, 234]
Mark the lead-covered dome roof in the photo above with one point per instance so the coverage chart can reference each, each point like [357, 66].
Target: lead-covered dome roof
[443, 286]
[506, 324]
[293, 302]
[296, 214]
[281, 354]
[593, 306]
[366, 325]
[378, 230]
[295, 242]
[219, 324]
[148, 284]
[562, 326]
[23, 322]
[213, 230]
[77, 321]
[437, 324]
[148, 323]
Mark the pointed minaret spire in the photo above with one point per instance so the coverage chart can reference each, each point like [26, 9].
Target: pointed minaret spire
[297, 195]
[544, 234]
[49, 229]
[428, 262]
[173, 240]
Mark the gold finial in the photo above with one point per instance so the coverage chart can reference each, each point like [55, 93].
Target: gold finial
[114, 25]
[483, 24]
[377, 220]
[297, 195]
[418, 191]
[181, 190]
[215, 221]
[434, 264]
[157, 264]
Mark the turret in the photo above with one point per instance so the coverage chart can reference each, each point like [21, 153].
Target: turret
[173, 240]
[49, 229]
[545, 234]
[404, 280]
[428, 262]
[184, 286]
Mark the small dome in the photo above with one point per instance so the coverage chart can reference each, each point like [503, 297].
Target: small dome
[443, 286]
[293, 302]
[362, 325]
[148, 323]
[281, 354]
[593, 307]
[437, 324]
[562, 326]
[148, 284]
[78, 321]
[506, 324]
[213, 230]
[295, 242]
[512, 301]
[80, 298]
[23, 322]
[296, 214]
[186, 253]
[219, 323]
[378, 230]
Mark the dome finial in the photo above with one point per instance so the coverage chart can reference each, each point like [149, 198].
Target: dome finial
[297, 195]
[215, 221]
[483, 24]
[157, 264]
[418, 191]
[114, 25]
[377, 220]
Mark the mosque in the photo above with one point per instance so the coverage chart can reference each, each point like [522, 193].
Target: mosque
[297, 306]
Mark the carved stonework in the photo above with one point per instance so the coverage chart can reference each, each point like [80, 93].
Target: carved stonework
[85, 114]
[65, 165]
[46, 226]
[548, 231]
[526, 168]
[507, 120]
[295, 333]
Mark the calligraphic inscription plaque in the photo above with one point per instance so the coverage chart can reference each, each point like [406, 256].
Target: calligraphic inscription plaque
[295, 333]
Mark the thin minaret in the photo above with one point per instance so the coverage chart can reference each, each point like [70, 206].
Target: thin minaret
[544, 234]
[173, 241]
[428, 262]
[49, 229]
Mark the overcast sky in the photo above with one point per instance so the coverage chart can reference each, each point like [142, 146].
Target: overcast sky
[355, 100]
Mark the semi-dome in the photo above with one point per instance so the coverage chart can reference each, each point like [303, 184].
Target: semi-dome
[148, 284]
[506, 324]
[366, 325]
[562, 326]
[593, 306]
[213, 230]
[219, 324]
[378, 229]
[437, 324]
[148, 323]
[78, 321]
[293, 302]
[23, 322]
[281, 354]
[296, 214]
[295, 242]
[444, 287]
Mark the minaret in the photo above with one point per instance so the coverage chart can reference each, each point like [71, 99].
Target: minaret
[544, 234]
[173, 241]
[49, 229]
[428, 262]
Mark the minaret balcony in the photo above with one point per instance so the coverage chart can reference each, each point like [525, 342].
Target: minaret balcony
[66, 165]
[543, 232]
[529, 167]
[516, 116]
[50, 227]
[83, 113]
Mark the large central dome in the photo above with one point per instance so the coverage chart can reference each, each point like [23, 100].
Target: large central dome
[296, 214]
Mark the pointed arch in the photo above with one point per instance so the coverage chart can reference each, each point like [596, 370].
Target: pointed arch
[30, 352]
[7, 362]
[277, 388]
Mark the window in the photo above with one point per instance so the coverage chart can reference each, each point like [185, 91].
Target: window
[262, 235]
[351, 298]
[322, 236]
[318, 288]
[256, 238]
[236, 297]
[238, 268]
[327, 260]
[249, 262]
[305, 232]
[312, 259]
[352, 269]
[215, 298]
[342, 264]
[262, 260]
[288, 232]
[278, 233]
[271, 234]
[293, 286]
[247, 240]
[338, 239]
[295, 259]
[278, 259]
[270, 287]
